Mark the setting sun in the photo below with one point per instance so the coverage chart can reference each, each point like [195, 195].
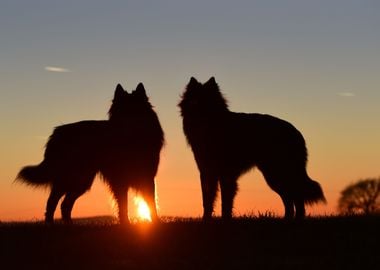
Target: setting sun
[143, 211]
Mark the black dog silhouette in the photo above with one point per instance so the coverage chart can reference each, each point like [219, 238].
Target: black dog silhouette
[125, 149]
[227, 144]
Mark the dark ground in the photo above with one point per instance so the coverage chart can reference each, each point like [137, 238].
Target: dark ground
[254, 243]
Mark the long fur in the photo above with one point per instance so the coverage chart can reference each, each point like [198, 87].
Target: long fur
[34, 175]
[125, 150]
[227, 144]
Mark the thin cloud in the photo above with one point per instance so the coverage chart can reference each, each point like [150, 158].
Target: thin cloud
[56, 69]
[346, 94]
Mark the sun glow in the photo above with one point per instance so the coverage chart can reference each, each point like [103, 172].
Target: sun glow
[143, 211]
[113, 205]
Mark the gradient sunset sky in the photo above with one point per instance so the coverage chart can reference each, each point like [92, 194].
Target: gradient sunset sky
[315, 64]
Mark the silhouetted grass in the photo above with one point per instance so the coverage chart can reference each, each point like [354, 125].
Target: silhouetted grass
[181, 243]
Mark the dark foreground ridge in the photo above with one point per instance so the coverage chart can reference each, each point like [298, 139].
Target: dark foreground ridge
[258, 243]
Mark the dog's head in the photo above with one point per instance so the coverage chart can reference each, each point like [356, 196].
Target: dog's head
[126, 104]
[201, 98]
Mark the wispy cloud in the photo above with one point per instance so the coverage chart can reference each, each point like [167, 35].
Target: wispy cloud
[346, 94]
[56, 69]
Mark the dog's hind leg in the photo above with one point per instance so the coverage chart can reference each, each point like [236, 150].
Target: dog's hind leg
[289, 206]
[228, 188]
[209, 185]
[54, 197]
[67, 205]
[272, 177]
[300, 208]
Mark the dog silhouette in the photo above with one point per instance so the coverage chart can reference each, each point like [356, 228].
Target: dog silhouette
[227, 144]
[125, 150]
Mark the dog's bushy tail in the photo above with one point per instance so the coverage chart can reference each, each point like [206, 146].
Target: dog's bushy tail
[313, 192]
[34, 175]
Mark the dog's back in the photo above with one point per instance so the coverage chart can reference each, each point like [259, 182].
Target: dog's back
[266, 138]
[72, 150]
[77, 143]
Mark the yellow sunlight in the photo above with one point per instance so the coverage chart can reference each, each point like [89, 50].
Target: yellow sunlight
[143, 211]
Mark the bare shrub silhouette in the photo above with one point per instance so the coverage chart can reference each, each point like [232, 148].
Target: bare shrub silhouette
[362, 197]
[227, 144]
[125, 149]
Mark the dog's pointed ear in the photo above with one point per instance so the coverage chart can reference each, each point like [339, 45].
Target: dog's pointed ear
[119, 91]
[193, 81]
[211, 81]
[140, 91]
[193, 84]
[211, 85]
